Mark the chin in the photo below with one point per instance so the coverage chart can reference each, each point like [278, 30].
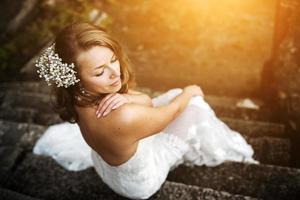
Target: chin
[117, 89]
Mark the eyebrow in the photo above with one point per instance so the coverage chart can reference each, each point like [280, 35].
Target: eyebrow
[103, 64]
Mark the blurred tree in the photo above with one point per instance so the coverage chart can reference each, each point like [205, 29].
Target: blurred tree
[51, 17]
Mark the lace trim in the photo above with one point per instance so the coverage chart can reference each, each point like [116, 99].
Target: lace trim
[123, 165]
[140, 146]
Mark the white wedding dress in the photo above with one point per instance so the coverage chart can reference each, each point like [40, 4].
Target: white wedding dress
[195, 137]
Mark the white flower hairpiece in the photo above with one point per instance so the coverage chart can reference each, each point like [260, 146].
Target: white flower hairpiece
[51, 67]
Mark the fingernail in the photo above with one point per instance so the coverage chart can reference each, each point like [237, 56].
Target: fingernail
[98, 115]
[97, 112]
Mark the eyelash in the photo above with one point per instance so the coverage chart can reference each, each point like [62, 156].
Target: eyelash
[103, 70]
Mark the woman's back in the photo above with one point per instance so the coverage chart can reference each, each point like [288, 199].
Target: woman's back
[141, 143]
[100, 134]
[115, 137]
[195, 137]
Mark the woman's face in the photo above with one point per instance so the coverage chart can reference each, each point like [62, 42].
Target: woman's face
[98, 69]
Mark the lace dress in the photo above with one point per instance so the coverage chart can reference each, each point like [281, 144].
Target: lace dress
[195, 137]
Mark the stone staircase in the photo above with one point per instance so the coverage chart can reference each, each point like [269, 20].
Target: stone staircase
[25, 113]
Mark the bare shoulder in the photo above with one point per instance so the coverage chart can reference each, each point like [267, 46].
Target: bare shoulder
[137, 121]
[117, 119]
[129, 112]
[134, 91]
[118, 116]
[131, 91]
[124, 114]
[109, 129]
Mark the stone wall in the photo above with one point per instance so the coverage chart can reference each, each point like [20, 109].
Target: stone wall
[281, 85]
[15, 15]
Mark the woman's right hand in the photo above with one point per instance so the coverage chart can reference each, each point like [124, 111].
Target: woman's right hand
[193, 90]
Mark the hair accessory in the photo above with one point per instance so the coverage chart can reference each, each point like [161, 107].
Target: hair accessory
[51, 67]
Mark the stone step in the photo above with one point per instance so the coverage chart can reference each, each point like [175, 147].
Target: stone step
[24, 135]
[15, 136]
[223, 106]
[26, 86]
[6, 194]
[25, 106]
[29, 115]
[255, 128]
[30, 112]
[9, 156]
[15, 139]
[278, 148]
[39, 101]
[42, 87]
[180, 191]
[263, 114]
[42, 177]
[261, 181]
[229, 101]
[270, 150]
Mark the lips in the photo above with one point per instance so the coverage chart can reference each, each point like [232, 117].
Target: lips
[115, 82]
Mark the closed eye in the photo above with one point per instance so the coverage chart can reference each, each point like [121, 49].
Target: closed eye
[100, 73]
[112, 61]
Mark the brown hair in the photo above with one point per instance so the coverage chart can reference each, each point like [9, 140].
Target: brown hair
[69, 42]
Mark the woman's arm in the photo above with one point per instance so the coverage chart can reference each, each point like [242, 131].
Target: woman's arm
[114, 100]
[136, 121]
[139, 98]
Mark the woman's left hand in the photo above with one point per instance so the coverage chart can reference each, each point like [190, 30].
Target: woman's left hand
[111, 102]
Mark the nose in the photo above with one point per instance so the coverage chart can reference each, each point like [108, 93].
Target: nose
[114, 71]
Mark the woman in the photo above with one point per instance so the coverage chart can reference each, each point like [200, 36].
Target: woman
[134, 140]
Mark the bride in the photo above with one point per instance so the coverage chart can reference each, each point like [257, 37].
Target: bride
[131, 140]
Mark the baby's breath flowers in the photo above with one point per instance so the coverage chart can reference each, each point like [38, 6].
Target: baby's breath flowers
[51, 67]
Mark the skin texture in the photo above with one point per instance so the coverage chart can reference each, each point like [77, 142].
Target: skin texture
[98, 69]
[115, 135]
[101, 132]
[99, 79]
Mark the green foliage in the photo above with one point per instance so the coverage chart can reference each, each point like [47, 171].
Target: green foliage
[49, 19]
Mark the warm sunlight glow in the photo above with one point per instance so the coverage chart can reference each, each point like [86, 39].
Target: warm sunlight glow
[206, 38]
